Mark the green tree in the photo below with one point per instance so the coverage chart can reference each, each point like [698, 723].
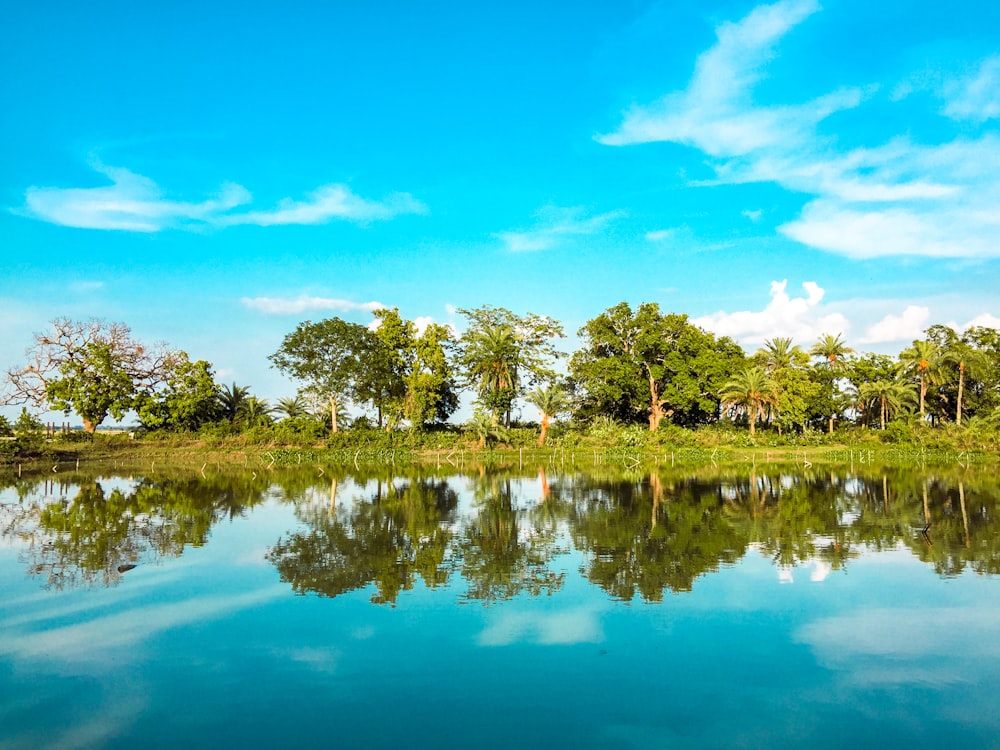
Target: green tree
[255, 412]
[749, 392]
[231, 398]
[891, 397]
[501, 354]
[93, 368]
[921, 361]
[188, 399]
[960, 359]
[786, 364]
[292, 407]
[647, 366]
[326, 357]
[550, 402]
[833, 352]
[430, 384]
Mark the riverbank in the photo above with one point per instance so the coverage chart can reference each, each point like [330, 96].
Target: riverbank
[147, 452]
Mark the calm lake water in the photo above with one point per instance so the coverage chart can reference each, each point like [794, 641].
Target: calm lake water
[501, 609]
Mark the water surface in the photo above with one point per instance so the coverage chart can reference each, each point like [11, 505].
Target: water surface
[501, 608]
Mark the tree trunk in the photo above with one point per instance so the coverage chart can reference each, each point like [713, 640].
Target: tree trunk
[89, 426]
[333, 413]
[923, 393]
[961, 385]
[545, 428]
[656, 412]
[831, 424]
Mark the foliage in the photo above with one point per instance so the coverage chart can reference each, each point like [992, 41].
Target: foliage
[324, 356]
[646, 366]
[749, 393]
[188, 399]
[501, 354]
[93, 368]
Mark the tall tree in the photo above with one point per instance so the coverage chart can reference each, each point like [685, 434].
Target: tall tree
[750, 392]
[923, 362]
[786, 364]
[960, 359]
[93, 368]
[501, 354]
[643, 365]
[324, 356]
[833, 352]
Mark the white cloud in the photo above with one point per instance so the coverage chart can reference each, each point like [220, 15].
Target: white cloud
[715, 112]
[660, 235]
[986, 320]
[754, 216]
[976, 97]
[305, 303]
[894, 199]
[906, 327]
[132, 202]
[554, 226]
[136, 203]
[327, 203]
[803, 319]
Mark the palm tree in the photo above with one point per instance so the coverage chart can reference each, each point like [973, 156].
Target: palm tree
[491, 356]
[292, 408]
[232, 398]
[891, 396]
[255, 411]
[923, 360]
[966, 359]
[749, 392]
[833, 350]
[781, 361]
[549, 401]
[779, 354]
[485, 426]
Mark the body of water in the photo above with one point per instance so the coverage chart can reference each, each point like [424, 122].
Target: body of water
[500, 609]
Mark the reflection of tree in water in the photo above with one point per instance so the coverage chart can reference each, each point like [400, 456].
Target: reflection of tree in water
[90, 537]
[798, 517]
[503, 552]
[647, 537]
[390, 538]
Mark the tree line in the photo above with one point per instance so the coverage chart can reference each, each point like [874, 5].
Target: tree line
[634, 367]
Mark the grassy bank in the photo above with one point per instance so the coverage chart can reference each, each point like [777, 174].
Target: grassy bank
[627, 447]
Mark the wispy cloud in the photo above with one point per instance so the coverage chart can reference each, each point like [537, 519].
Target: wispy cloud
[554, 226]
[305, 303]
[135, 203]
[328, 203]
[715, 112]
[975, 97]
[890, 199]
[800, 318]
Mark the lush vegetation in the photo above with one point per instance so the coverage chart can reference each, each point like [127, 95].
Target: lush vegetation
[641, 379]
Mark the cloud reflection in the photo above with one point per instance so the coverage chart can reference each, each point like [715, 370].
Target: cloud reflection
[92, 639]
[578, 625]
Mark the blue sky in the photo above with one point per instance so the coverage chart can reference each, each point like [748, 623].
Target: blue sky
[213, 174]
